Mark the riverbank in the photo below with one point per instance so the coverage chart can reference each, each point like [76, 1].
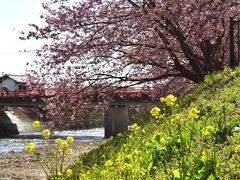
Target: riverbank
[23, 166]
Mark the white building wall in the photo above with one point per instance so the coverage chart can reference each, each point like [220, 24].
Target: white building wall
[9, 84]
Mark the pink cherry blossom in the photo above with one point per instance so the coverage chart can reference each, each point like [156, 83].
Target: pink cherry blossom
[95, 46]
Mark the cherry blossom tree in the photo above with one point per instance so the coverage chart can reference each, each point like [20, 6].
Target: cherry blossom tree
[94, 46]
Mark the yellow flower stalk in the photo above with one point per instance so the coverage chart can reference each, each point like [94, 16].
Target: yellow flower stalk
[36, 124]
[53, 165]
[30, 147]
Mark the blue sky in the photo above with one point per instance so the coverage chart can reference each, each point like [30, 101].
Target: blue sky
[15, 15]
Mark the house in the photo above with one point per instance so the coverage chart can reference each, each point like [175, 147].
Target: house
[9, 82]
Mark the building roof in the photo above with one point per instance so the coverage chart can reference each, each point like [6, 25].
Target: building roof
[17, 78]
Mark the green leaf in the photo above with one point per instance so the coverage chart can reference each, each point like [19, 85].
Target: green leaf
[234, 123]
[204, 158]
[150, 165]
[211, 177]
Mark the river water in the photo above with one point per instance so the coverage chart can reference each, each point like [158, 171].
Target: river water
[18, 143]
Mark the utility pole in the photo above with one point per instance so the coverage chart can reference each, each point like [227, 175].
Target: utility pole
[2, 82]
[234, 58]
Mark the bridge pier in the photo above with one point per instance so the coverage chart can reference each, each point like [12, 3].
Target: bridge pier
[6, 126]
[115, 120]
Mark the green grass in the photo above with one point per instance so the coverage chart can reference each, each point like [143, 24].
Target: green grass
[175, 145]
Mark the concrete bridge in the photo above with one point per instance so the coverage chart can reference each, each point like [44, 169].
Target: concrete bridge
[116, 119]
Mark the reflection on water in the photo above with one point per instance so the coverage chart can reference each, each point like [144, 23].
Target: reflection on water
[19, 142]
[16, 145]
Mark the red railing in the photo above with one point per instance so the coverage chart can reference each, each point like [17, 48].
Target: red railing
[129, 91]
[16, 93]
[20, 93]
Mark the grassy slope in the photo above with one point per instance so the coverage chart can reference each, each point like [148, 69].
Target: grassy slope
[177, 146]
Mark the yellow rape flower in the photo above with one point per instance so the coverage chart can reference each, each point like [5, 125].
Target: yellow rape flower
[170, 99]
[64, 145]
[69, 173]
[208, 130]
[162, 99]
[103, 172]
[70, 139]
[108, 163]
[237, 148]
[193, 113]
[58, 141]
[155, 111]
[134, 127]
[70, 151]
[130, 156]
[205, 133]
[42, 161]
[30, 147]
[175, 118]
[61, 143]
[59, 174]
[168, 139]
[46, 133]
[176, 173]
[163, 140]
[136, 152]
[36, 124]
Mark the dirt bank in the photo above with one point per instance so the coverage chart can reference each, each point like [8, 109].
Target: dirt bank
[22, 166]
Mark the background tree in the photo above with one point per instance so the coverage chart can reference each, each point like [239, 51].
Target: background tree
[93, 46]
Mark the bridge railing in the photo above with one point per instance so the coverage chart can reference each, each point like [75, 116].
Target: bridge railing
[130, 91]
[16, 93]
